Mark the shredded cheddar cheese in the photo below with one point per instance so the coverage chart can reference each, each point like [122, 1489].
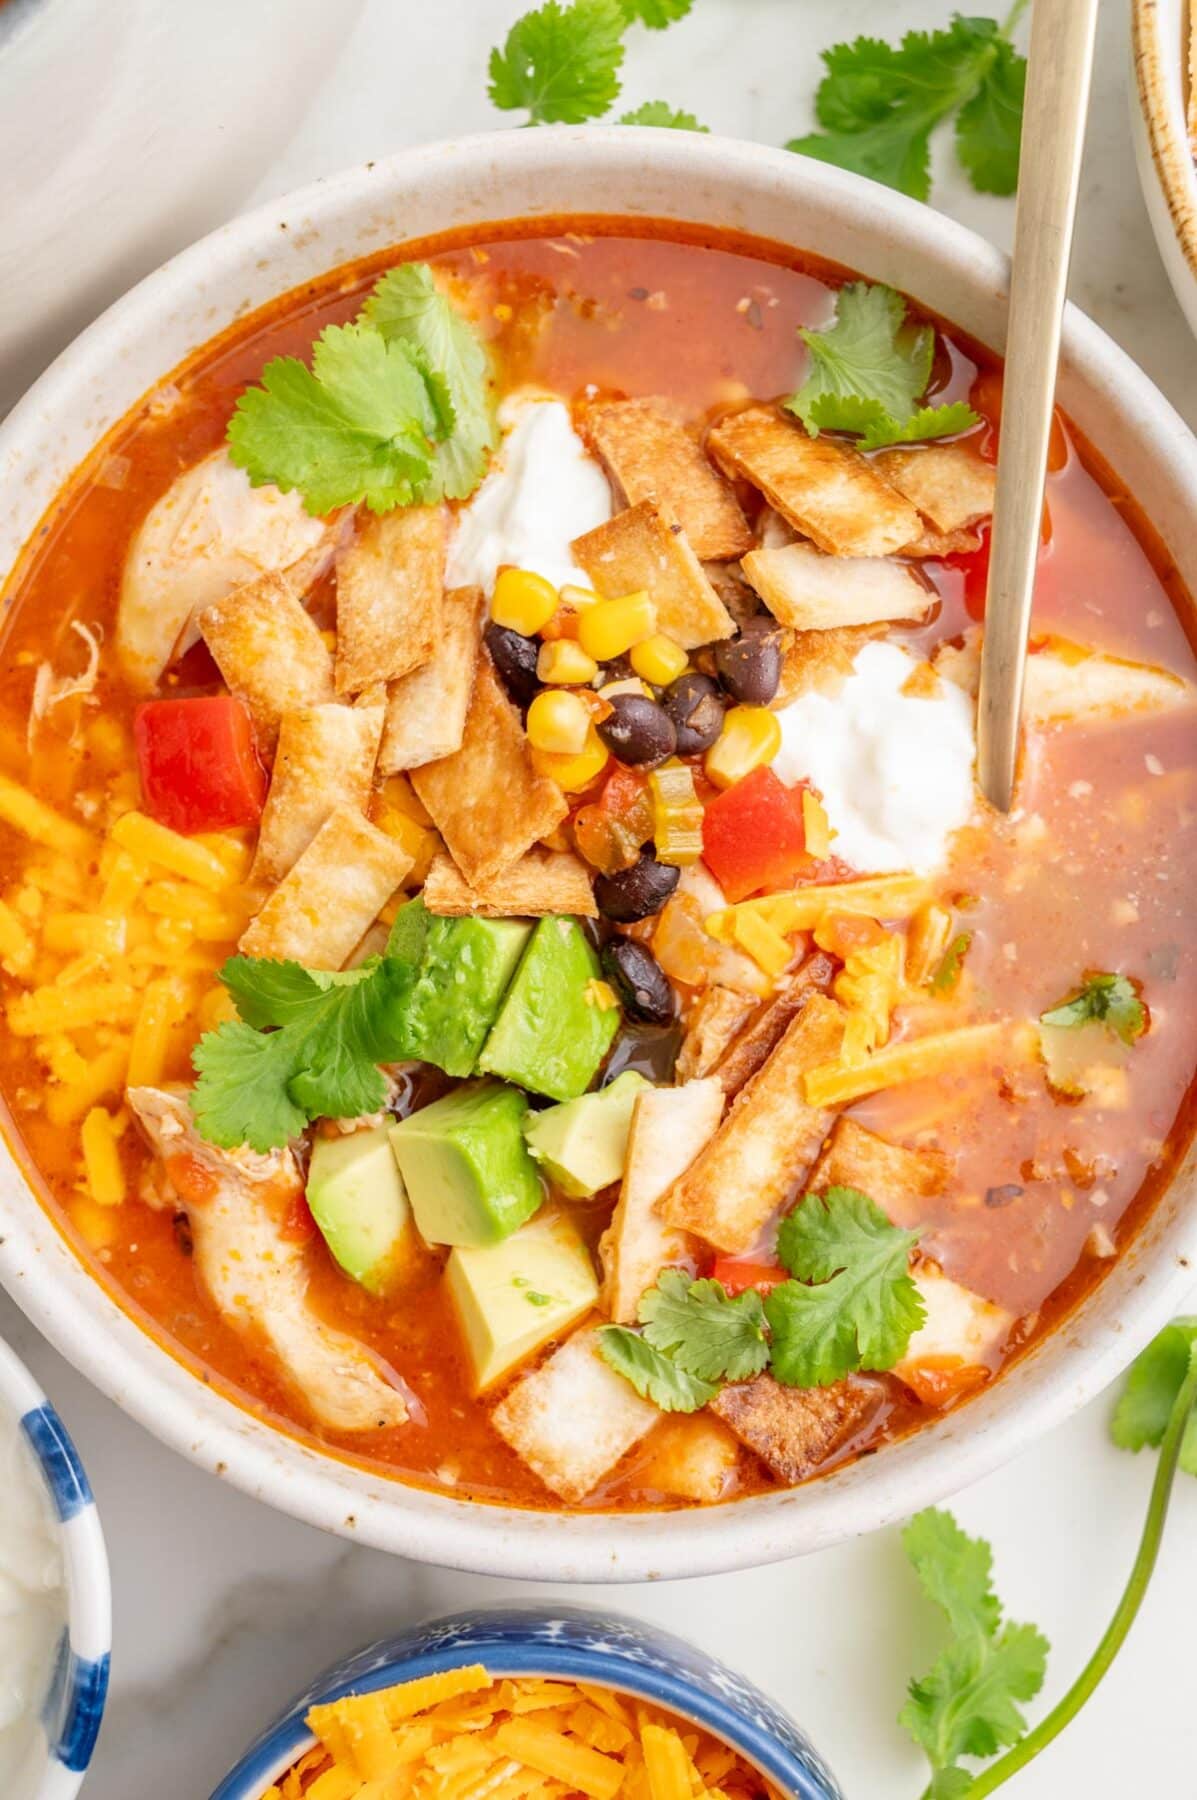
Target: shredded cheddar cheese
[465, 1735]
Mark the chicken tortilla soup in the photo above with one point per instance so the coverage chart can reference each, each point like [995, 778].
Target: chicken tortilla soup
[507, 971]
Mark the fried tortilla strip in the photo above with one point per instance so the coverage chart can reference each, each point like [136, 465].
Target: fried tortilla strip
[426, 711]
[827, 492]
[487, 799]
[820, 660]
[712, 1023]
[811, 592]
[766, 1141]
[670, 1125]
[752, 1047]
[651, 455]
[899, 1180]
[1067, 683]
[646, 548]
[573, 1418]
[325, 759]
[949, 483]
[269, 651]
[319, 912]
[390, 584]
[943, 543]
[542, 882]
[795, 1431]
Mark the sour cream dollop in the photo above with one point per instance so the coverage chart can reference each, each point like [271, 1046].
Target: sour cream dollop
[32, 1612]
[545, 491]
[895, 770]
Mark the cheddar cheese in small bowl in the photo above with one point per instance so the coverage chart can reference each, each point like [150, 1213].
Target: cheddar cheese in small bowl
[531, 1703]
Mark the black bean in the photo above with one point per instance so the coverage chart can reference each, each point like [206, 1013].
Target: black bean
[514, 657]
[749, 664]
[639, 980]
[635, 893]
[618, 669]
[638, 731]
[695, 705]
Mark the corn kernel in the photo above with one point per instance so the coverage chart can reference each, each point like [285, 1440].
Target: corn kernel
[573, 773]
[522, 601]
[611, 627]
[558, 723]
[600, 994]
[750, 737]
[565, 662]
[659, 659]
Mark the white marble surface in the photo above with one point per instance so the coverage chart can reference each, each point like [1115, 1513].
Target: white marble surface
[223, 1608]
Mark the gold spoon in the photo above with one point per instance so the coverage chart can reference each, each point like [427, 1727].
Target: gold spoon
[1059, 68]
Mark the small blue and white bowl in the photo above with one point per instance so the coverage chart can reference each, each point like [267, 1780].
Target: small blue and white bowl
[74, 1702]
[569, 1643]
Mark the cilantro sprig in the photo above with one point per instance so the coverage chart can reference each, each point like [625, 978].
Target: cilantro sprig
[878, 105]
[394, 410]
[869, 371]
[1109, 1000]
[694, 1336]
[853, 1304]
[969, 1704]
[306, 1046]
[654, 1375]
[560, 63]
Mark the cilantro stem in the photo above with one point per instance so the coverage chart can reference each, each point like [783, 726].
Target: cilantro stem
[1010, 22]
[1066, 1709]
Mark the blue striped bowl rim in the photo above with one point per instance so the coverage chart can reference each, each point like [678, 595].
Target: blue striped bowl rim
[74, 1705]
[568, 1643]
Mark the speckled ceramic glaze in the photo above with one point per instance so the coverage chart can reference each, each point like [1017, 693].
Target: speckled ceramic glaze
[568, 1644]
[469, 182]
[74, 1705]
[1159, 54]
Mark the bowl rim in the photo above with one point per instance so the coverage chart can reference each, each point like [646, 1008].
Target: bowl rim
[1159, 79]
[518, 1650]
[1087, 1350]
[79, 1686]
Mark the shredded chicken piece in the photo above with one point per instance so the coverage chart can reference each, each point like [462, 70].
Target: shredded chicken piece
[50, 690]
[235, 1200]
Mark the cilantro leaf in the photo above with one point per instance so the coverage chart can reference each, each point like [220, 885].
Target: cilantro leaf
[989, 126]
[656, 14]
[878, 105]
[561, 63]
[703, 1330]
[653, 1375]
[660, 113]
[869, 353]
[1145, 1404]
[1111, 1000]
[951, 964]
[354, 427]
[262, 1086]
[863, 1308]
[868, 371]
[968, 1703]
[407, 307]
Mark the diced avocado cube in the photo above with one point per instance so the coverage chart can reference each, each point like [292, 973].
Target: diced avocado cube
[553, 1030]
[582, 1144]
[461, 970]
[513, 1297]
[465, 1165]
[358, 1200]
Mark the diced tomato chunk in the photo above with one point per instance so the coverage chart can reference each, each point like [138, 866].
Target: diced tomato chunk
[986, 398]
[198, 763]
[753, 837]
[737, 1275]
[939, 1380]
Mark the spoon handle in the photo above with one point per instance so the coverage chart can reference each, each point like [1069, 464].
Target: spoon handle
[1060, 65]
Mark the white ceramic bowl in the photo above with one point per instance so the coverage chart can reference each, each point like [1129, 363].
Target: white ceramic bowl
[470, 182]
[74, 1706]
[1167, 172]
